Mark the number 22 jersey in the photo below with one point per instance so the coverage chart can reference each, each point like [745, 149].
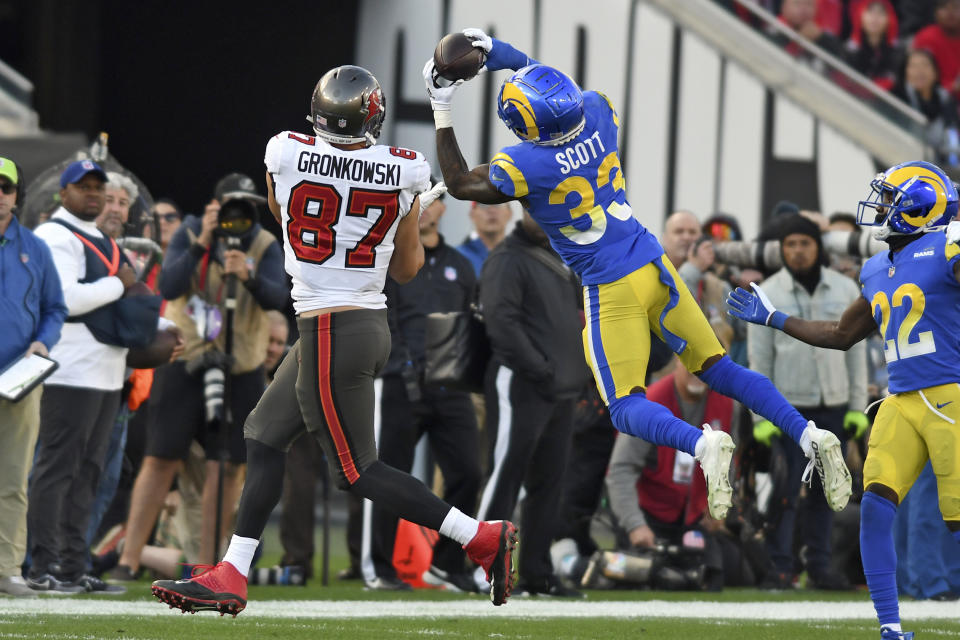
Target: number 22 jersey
[915, 299]
[339, 214]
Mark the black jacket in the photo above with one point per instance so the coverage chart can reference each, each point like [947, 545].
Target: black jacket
[446, 282]
[532, 305]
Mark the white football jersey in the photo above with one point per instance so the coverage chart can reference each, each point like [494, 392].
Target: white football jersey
[339, 214]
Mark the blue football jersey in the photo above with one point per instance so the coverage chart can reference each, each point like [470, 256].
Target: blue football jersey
[916, 303]
[576, 192]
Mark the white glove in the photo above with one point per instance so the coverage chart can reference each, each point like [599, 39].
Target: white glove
[480, 39]
[430, 196]
[953, 232]
[440, 97]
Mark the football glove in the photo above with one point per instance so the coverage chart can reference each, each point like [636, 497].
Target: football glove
[430, 196]
[480, 39]
[754, 307]
[764, 430]
[500, 55]
[953, 232]
[440, 97]
[856, 422]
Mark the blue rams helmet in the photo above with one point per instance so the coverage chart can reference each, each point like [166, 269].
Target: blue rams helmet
[908, 198]
[541, 105]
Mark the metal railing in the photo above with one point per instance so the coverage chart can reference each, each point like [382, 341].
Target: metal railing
[822, 84]
[851, 80]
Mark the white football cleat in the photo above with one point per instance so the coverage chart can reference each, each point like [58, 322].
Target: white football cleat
[715, 462]
[826, 457]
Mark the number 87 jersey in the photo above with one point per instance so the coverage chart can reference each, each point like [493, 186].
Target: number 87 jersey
[915, 299]
[339, 214]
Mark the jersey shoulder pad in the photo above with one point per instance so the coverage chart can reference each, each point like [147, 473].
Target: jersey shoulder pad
[600, 104]
[506, 176]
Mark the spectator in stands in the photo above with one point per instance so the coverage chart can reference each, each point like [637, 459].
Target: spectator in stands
[490, 227]
[920, 88]
[942, 39]
[829, 387]
[81, 399]
[531, 302]
[914, 16]
[873, 48]
[800, 15]
[168, 217]
[33, 311]
[194, 279]
[681, 230]
[658, 494]
[409, 410]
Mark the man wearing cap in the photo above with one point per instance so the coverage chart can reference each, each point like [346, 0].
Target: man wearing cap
[32, 308]
[205, 254]
[81, 398]
[827, 386]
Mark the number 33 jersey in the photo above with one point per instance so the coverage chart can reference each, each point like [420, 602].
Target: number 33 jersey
[576, 193]
[915, 299]
[339, 214]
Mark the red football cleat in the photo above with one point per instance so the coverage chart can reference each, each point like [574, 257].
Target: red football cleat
[493, 548]
[221, 588]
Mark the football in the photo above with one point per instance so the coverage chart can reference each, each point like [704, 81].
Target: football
[455, 58]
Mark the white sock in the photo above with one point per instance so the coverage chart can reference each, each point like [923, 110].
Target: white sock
[240, 553]
[699, 448]
[893, 626]
[458, 526]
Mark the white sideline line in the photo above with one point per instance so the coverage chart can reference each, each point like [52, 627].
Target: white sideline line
[518, 608]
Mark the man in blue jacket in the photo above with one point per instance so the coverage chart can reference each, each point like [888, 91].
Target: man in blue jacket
[31, 304]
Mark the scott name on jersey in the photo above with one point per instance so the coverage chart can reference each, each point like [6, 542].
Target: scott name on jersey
[355, 169]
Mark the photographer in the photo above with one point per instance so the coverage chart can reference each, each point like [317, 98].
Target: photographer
[209, 258]
[658, 494]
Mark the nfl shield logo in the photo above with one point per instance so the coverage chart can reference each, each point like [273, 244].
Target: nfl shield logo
[342, 122]
[890, 272]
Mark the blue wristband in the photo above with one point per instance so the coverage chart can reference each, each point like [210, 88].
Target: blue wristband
[504, 56]
[777, 320]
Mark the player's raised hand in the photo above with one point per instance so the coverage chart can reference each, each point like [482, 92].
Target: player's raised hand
[440, 97]
[429, 196]
[754, 307]
[483, 42]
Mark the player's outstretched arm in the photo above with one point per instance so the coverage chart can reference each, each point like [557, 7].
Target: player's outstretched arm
[854, 325]
[499, 54]
[462, 182]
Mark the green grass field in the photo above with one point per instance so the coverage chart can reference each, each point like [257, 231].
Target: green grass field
[345, 610]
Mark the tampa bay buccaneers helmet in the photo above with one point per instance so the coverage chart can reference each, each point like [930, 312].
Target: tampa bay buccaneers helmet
[347, 106]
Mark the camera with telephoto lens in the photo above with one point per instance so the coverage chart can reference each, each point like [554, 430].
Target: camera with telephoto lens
[236, 217]
[667, 566]
[211, 366]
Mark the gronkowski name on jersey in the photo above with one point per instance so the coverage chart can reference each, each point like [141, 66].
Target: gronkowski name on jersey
[915, 299]
[576, 192]
[339, 213]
